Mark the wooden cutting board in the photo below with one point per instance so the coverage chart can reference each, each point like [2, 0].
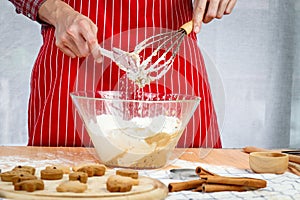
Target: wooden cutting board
[147, 189]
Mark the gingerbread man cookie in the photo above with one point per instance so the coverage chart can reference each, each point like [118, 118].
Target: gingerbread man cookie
[72, 186]
[7, 176]
[30, 185]
[28, 169]
[117, 183]
[22, 177]
[128, 172]
[91, 169]
[78, 176]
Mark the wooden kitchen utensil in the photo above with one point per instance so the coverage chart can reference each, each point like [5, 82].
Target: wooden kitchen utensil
[293, 164]
[250, 149]
[268, 162]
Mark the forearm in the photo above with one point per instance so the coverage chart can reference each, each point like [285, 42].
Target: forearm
[53, 10]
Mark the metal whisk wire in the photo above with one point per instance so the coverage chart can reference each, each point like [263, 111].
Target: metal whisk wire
[158, 62]
[170, 42]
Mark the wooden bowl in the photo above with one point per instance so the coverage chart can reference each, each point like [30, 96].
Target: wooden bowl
[268, 162]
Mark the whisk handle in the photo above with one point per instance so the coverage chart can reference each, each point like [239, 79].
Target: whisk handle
[106, 53]
[188, 27]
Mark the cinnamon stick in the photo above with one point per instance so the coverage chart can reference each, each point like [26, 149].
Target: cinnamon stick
[198, 189]
[186, 185]
[241, 181]
[211, 182]
[219, 188]
[201, 171]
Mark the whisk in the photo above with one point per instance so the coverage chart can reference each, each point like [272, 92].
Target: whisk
[163, 48]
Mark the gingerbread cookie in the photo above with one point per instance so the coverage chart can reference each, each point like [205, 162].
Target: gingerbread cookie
[28, 169]
[7, 176]
[128, 172]
[65, 169]
[22, 177]
[51, 174]
[30, 185]
[71, 186]
[117, 183]
[91, 170]
[78, 176]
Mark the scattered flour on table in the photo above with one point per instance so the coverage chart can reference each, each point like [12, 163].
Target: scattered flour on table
[9, 162]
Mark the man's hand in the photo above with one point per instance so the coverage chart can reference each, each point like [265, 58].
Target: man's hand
[206, 10]
[76, 34]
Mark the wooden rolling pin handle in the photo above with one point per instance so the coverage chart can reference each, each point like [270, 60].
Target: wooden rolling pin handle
[294, 158]
[188, 27]
[250, 149]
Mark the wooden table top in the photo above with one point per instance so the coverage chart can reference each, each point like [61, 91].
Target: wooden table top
[229, 157]
[227, 162]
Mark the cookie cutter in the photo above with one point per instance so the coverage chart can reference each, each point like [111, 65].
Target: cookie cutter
[183, 174]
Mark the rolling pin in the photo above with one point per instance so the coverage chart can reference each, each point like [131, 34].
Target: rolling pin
[250, 149]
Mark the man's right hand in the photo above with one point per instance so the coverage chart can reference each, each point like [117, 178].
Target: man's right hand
[76, 34]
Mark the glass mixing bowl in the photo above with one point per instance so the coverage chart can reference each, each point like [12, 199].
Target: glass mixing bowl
[134, 129]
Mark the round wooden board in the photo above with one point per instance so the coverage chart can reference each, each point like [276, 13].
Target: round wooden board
[147, 189]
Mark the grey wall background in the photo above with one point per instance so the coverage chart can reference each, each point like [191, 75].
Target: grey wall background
[252, 57]
[256, 51]
[20, 40]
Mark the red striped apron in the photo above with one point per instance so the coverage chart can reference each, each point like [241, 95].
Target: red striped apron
[55, 75]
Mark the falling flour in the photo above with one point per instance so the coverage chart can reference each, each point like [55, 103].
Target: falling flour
[142, 73]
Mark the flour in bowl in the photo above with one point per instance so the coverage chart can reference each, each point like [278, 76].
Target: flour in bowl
[139, 142]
